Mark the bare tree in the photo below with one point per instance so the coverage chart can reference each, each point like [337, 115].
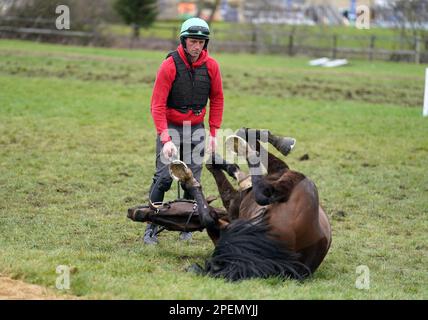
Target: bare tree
[83, 13]
[200, 5]
[213, 11]
[411, 19]
[213, 6]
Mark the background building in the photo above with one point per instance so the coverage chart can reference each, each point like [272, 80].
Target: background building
[264, 11]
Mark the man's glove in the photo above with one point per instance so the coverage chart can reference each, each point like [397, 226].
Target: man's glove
[169, 150]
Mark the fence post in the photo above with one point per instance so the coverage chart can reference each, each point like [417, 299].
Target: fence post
[254, 39]
[95, 28]
[371, 49]
[417, 50]
[334, 50]
[290, 43]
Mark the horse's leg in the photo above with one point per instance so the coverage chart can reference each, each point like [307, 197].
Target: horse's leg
[272, 190]
[282, 144]
[228, 194]
[232, 169]
[253, 137]
[194, 188]
[274, 165]
[240, 146]
[262, 190]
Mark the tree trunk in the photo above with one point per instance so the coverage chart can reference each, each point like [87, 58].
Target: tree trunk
[200, 5]
[135, 31]
[135, 34]
[215, 6]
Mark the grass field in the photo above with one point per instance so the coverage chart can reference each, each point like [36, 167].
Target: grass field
[77, 149]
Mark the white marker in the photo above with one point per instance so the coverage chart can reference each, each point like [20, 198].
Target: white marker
[425, 112]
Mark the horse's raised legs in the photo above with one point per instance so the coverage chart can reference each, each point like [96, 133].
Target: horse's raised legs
[229, 195]
[282, 144]
[277, 185]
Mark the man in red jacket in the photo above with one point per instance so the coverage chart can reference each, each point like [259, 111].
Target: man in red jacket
[185, 81]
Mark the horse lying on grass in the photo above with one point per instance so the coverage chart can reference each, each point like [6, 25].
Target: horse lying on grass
[273, 225]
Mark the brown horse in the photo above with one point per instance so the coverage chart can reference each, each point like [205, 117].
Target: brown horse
[273, 224]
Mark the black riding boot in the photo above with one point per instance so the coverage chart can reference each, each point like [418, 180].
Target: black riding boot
[185, 236]
[156, 195]
[150, 236]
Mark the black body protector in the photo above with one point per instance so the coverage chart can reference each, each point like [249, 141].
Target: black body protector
[191, 87]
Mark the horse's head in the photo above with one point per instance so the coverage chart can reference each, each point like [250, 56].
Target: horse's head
[179, 215]
[140, 213]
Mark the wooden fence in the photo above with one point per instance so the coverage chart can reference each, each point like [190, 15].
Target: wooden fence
[334, 46]
[44, 29]
[255, 40]
[246, 38]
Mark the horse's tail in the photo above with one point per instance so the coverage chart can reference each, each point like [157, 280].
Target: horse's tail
[246, 249]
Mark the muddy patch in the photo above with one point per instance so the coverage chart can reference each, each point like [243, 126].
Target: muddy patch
[11, 289]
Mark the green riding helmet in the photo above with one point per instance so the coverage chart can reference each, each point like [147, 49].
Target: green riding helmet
[194, 28]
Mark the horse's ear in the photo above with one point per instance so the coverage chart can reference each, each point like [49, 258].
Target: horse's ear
[223, 223]
[210, 199]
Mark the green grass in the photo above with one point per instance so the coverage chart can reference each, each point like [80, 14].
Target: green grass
[77, 149]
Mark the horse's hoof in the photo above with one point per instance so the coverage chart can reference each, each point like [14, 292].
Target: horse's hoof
[285, 145]
[179, 171]
[196, 269]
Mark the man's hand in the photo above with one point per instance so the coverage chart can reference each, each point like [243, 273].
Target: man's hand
[169, 150]
[212, 144]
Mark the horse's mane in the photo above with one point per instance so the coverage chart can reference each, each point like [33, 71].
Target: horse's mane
[247, 249]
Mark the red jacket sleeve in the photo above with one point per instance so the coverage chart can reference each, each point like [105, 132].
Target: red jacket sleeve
[164, 79]
[216, 97]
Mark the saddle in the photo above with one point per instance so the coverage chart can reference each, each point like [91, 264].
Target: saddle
[176, 215]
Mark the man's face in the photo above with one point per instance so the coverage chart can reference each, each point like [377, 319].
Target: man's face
[194, 47]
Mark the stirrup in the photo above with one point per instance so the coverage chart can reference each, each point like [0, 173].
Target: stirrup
[155, 205]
